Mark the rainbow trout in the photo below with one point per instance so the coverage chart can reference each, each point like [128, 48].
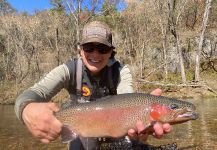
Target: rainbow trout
[113, 116]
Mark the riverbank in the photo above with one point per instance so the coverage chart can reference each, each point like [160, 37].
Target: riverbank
[187, 92]
[208, 88]
[9, 91]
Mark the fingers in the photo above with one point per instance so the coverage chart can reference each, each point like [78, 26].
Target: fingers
[141, 134]
[135, 134]
[44, 132]
[167, 128]
[156, 92]
[45, 137]
[53, 107]
[41, 122]
[161, 129]
[50, 132]
[142, 137]
[158, 130]
[140, 126]
[45, 141]
[132, 133]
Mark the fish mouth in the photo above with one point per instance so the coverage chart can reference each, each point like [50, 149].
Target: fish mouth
[184, 116]
[189, 116]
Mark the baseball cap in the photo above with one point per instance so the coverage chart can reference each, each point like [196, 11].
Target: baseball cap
[97, 32]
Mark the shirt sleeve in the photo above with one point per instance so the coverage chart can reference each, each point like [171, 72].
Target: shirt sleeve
[125, 81]
[44, 90]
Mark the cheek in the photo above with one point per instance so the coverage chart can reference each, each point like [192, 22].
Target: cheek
[106, 56]
[84, 57]
[105, 59]
[83, 54]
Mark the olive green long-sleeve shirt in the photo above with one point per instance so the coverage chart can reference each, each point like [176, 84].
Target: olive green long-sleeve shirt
[59, 78]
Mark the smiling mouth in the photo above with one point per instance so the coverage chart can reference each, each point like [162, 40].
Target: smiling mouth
[94, 61]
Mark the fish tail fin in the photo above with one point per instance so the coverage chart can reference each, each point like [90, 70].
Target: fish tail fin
[67, 134]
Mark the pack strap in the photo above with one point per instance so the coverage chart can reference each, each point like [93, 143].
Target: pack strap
[79, 76]
[113, 77]
[110, 77]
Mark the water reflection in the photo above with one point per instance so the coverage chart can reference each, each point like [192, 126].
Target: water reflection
[194, 135]
[14, 136]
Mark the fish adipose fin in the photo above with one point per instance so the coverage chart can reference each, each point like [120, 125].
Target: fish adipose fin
[67, 134]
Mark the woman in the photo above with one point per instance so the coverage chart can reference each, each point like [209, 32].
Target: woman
[96, 74]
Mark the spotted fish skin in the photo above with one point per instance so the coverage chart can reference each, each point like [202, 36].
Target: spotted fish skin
[113, 116]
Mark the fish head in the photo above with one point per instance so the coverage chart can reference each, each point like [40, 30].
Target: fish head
[175, 112]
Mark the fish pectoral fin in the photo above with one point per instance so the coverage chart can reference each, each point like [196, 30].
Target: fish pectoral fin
[67, 134]
[148, 129]
[143, 135]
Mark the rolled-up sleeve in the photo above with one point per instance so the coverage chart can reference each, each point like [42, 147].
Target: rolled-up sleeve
[125, 81]
[44, 90]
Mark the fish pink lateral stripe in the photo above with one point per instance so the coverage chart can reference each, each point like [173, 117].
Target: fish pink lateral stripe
[106, 122]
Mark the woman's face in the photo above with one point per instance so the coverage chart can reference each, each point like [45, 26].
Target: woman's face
[95, 56]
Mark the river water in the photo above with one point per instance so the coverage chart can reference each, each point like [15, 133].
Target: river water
[193, 135]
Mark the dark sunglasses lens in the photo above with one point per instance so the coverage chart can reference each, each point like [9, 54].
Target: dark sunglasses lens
[101, 48]
[88, 48]
[104, 51]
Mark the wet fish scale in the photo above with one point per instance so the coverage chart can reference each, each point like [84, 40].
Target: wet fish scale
[112, 116]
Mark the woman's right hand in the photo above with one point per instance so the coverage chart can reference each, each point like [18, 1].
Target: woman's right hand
[41, 122]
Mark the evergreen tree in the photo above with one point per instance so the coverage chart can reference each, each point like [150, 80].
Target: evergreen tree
[58, 5]
[5, 7]
[109, 13]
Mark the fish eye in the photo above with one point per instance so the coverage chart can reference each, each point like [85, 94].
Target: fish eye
[174, 106]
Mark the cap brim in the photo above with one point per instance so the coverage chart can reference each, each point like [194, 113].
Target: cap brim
[97, 40]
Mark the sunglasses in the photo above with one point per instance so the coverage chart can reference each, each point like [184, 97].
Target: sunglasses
[101, 48]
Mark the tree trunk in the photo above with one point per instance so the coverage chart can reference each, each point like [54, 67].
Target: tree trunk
[164, 31]
[76, 14]
[200, 46]
[182, 67]
[142, 61]
[173, 22]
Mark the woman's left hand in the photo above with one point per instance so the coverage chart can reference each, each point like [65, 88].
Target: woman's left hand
[158, 129]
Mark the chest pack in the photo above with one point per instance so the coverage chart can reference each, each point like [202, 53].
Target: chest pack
[83, 87]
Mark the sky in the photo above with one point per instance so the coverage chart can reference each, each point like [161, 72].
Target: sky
[29, 5]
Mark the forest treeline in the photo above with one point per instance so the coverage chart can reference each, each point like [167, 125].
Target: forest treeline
[157, 38]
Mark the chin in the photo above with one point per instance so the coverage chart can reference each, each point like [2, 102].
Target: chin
[94, 70]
